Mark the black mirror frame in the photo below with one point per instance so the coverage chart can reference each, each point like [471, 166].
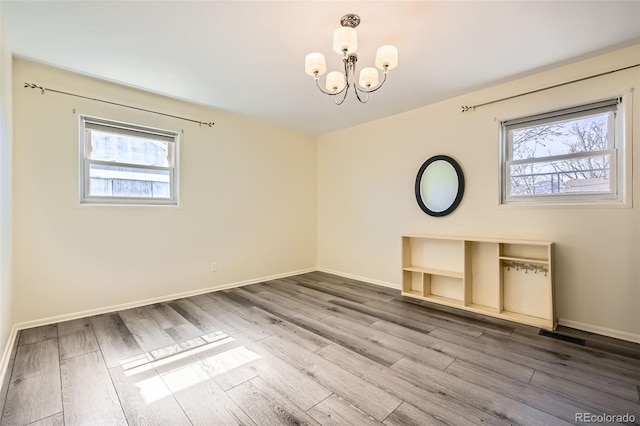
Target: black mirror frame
[458, 198]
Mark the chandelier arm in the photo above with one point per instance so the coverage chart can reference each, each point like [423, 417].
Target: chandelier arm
[345, 90]
[355, 89]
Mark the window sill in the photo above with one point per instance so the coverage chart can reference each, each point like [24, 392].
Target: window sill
[568, 205]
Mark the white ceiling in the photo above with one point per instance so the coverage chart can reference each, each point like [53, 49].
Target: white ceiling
[247, 57]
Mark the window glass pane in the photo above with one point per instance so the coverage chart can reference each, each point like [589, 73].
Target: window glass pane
[113, 181]
[584, 134]
[574, 175]
[128, 149]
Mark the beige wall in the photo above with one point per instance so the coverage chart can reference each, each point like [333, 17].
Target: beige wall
[6, 320]
[247, 202]
[366, 198]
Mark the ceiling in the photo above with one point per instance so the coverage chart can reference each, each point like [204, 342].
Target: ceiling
[247, 57]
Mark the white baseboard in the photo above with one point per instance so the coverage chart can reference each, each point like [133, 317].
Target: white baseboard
[622, 335]
[359, 278]
[129, 305]
[6, 355]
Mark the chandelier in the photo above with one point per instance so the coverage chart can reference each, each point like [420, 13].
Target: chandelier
[345, 42]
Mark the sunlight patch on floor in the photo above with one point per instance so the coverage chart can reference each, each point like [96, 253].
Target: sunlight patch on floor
[201, 371]
[153, 389]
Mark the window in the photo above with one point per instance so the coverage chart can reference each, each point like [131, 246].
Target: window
[127, 164]
[566, 156]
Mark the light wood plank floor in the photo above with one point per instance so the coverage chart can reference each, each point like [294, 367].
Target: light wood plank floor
[313, 349]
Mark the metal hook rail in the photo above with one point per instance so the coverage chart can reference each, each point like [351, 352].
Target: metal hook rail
[526, 267]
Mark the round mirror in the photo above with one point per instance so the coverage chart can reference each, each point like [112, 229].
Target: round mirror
[439, 185]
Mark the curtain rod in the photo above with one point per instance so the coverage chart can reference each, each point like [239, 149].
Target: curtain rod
[466, 108]
[43, 89]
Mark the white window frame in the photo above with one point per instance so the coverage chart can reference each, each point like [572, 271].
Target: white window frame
[616, 152]
[171, 137]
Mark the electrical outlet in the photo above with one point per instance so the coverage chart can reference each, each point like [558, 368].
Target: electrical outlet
[214, 267]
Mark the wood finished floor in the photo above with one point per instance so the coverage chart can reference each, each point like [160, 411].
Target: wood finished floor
[312, 349]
